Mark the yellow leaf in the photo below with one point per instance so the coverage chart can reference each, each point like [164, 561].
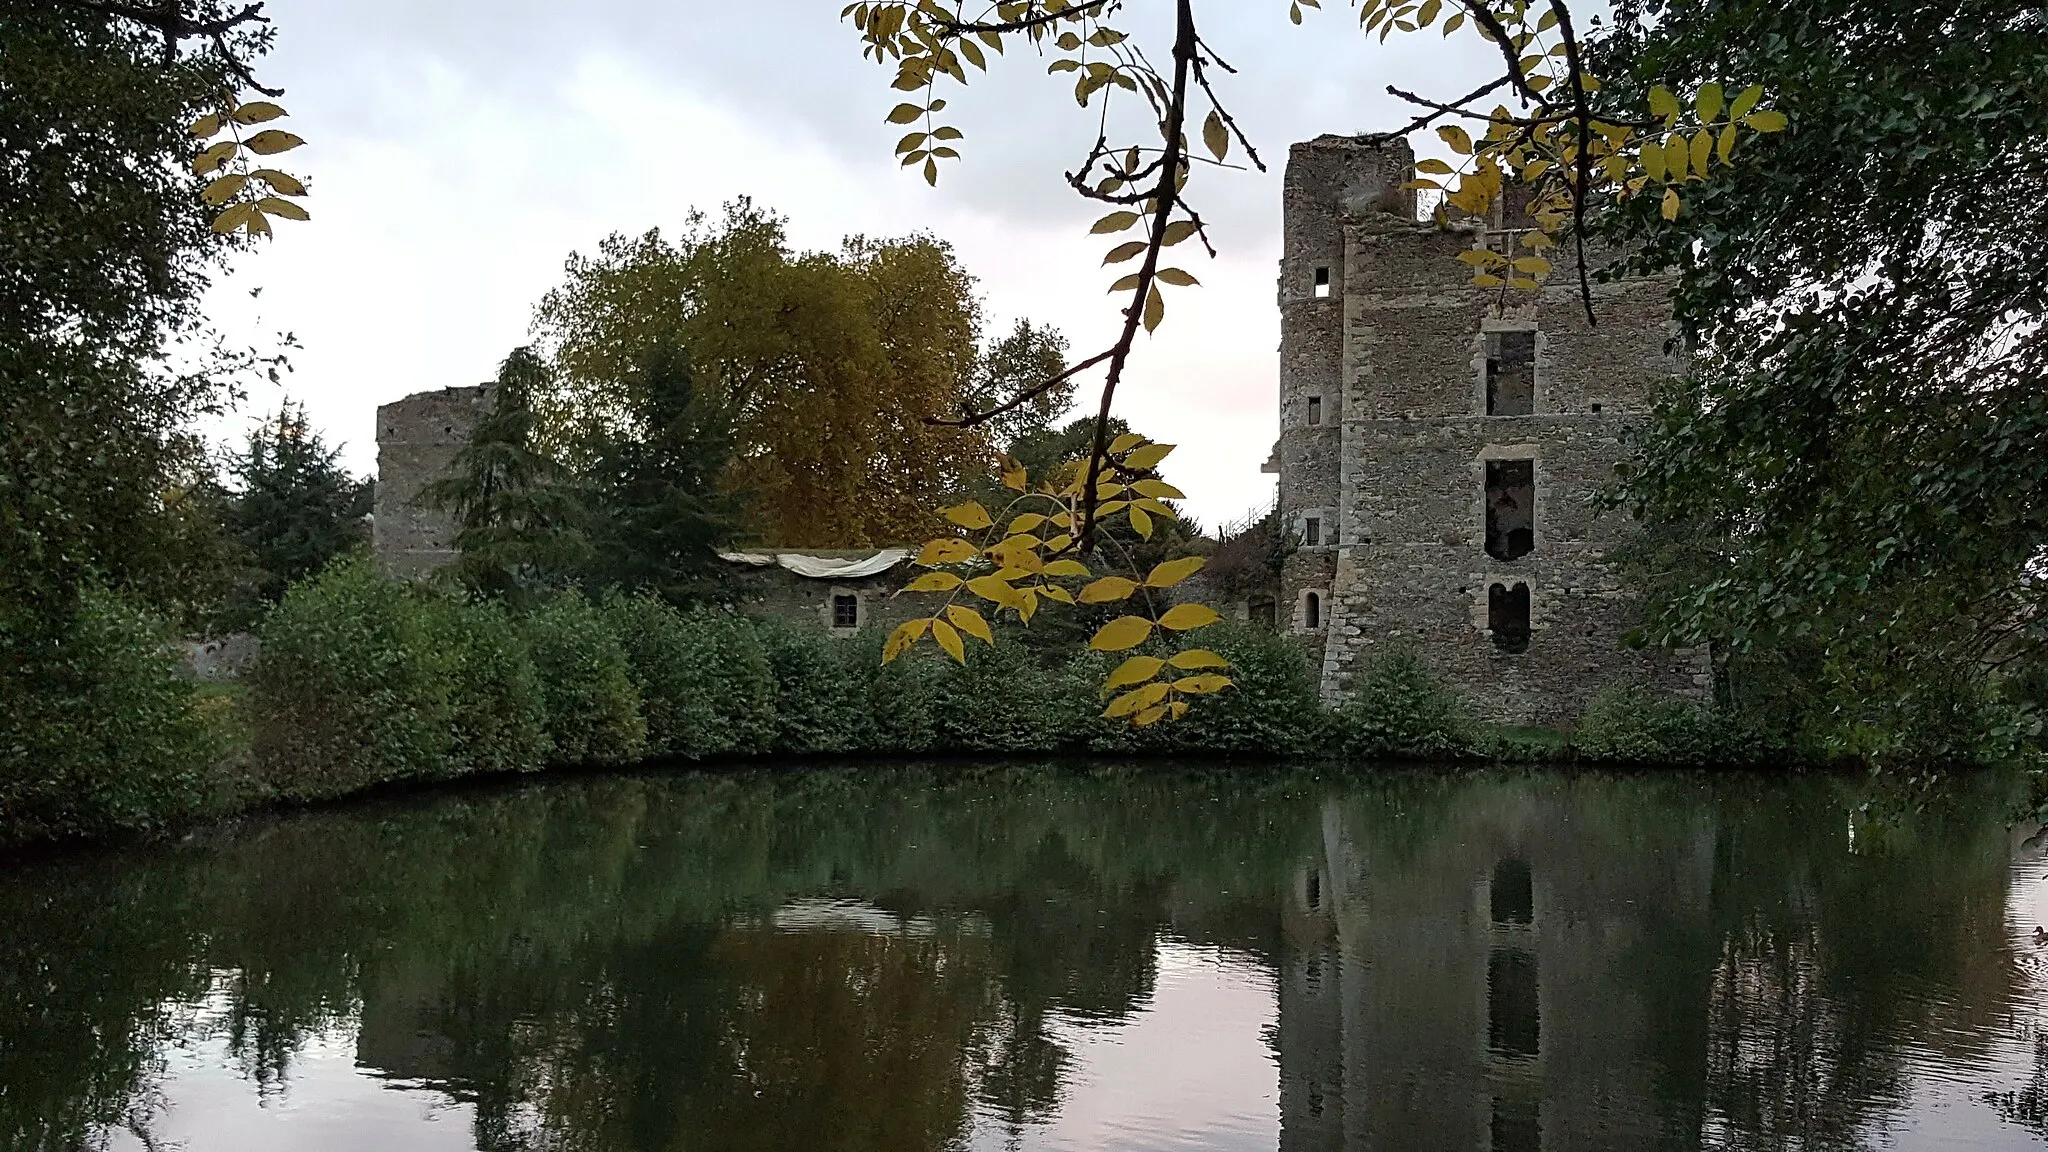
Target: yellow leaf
[1671, 204]
[1126, 251]
[1434, 167]
[946, 550]
[234, 218]
[1179, 708]
[257, 111]
[1188, 617]
[285, 208]
[1025, 523]
[1108, 590]
[1178, 231]
[1709, 102]
[1029, 605]
[1135, 701]
[1677, 156]
[272, 141]
[1174, 571]
[1195, 658]
[1727, 147]
[1201, 685]
[901, 640]
[1155, 309]
[1127, 283]
[949, 639]
[970, 622]
[1766, 121]
[1155, 507]
[206, 125]
[1653, 159]
[970, 515]
[1177, 277]
[1136, 670]
[1481, 257]
[934, 582]
[1055, 592]
[1147, 457]
[1067, 568]
[995, 591]
[224, 189]
[904, 113]
[1014, 476]
[1141, 522]
[1702, 151]
[1122, 633]
[283, 182]
[210, 161]
[1151, 716]
[1533, 265]
[1160, 489]
[1662, 102]
[1459, 139]
[1126, 442]
[1487, 280]
[1216, 135]
[1746, 101]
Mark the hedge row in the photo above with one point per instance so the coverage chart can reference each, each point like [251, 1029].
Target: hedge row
[364, 680]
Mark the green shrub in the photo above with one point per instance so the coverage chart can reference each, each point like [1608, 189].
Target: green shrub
[1272, 707]
[1002, 700]
[354, 686]
[822, 694]
[592, 706]
[1400, 707]
[904, 698]
[498, 707]
[704, 681]
[100, 736]
[1629, 723]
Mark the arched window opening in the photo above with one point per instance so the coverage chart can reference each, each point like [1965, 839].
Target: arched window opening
[1510, 508]
[1507, 616]
[1312, 611]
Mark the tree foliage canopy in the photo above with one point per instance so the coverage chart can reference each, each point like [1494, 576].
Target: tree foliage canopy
[825, 366]
[1855, 461]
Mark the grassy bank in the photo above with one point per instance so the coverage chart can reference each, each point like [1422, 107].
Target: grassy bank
[366, 681]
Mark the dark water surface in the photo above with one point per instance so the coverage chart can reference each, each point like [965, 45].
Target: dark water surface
[903, 960]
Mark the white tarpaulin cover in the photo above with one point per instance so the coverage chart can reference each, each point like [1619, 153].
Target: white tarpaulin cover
[823, 567]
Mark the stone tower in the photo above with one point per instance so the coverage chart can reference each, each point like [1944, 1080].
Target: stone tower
[1441, 447]
[417, 439]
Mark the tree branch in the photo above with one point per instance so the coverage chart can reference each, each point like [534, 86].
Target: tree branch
[1024, 24]
[973, 419]
[1583, 168]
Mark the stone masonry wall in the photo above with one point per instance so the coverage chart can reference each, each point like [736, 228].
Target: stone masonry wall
[1398, 352]
[417, 439]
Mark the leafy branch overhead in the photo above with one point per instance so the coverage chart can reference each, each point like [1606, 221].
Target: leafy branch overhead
[1015, 559]
[247, 196]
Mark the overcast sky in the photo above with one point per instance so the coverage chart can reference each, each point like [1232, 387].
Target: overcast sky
[462, 149]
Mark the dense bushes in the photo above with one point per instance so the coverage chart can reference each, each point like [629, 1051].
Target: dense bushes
[365, 680]
[107, 738]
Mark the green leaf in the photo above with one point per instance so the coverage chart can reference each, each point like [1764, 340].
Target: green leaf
[1126, 251]
[1662, 103]
[1746, 101]
[1766, 121]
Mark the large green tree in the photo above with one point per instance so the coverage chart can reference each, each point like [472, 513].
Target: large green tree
[294, 507]
[1850, 472]
[826, 366]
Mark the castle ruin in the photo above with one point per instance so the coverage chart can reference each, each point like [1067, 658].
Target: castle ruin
[1441, 447]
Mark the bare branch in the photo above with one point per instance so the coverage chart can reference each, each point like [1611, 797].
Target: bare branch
[1583, 169]
[972, 419]
[1040, 20]
[1455, 107]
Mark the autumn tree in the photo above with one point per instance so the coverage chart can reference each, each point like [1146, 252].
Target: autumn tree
[825, 365]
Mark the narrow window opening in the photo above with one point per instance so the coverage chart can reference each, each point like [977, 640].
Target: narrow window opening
[1315, 890]
[1510, 373]
[1312, 612]
[1262, 611]
[1322, 283]
[1510, 508]
[1596, 408]
[1312, 531]
[1513, 893]
[1507, 617]
[1315, 409]
[1512, 1026]
[845, 610]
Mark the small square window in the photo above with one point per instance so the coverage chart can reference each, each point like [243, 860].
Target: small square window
[1322, 283]
[1315, 409]
[1312, 531]
[845, 610]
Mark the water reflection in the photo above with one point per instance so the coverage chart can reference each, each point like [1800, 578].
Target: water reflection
[1041, 960]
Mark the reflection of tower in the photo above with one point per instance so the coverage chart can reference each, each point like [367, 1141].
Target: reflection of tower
[1470, 976]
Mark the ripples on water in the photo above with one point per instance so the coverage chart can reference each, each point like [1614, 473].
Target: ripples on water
[1048, 960]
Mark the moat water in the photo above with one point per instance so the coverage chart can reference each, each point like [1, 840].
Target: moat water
[904, 959]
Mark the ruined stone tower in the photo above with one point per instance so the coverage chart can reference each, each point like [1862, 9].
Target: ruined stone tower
[417, 439]
[1440, 449]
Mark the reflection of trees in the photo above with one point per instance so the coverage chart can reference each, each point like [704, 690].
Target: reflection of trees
[591, 962]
